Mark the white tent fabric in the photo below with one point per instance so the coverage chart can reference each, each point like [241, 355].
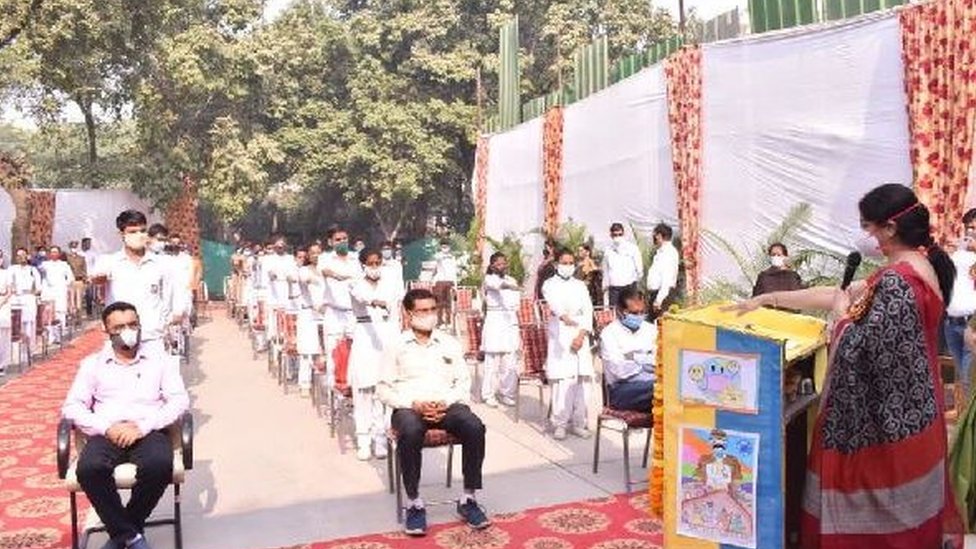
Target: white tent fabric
[815, 116]
[515, 202]
[91, 213]
[617, 157]
[7, 214]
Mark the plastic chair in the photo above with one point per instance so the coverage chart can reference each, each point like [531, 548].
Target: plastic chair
[534, 352]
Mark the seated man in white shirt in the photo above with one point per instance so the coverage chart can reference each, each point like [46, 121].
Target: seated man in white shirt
[123, 398]
[426, 382]
[627, 349]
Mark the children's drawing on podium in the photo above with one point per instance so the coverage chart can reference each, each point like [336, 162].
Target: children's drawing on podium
[717, 485]
[722, 380]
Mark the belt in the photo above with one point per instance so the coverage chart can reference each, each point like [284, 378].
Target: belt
[364, 319]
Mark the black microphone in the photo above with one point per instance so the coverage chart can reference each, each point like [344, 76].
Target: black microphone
[853, 262]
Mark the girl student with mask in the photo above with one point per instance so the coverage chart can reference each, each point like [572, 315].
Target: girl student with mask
[881, 425]
[500, 334]
[779, 277]
[569, 364]
[376, 308]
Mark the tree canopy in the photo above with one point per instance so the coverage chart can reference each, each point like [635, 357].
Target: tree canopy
[362, 112]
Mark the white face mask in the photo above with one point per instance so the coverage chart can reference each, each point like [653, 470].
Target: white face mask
[386, 253]
[135, 241]
[868, 246]
[424, 323]
[445, 249]
[778, 261]
[372, 273]
[566, 271]
[617, 240]
[157, 247]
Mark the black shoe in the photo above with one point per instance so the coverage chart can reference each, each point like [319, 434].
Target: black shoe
[473, 514]
[416, 523]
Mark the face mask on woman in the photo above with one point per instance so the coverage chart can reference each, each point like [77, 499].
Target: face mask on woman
[566, 271]
[386, 253]
[372, 273]
[778, 261]
[868, 246]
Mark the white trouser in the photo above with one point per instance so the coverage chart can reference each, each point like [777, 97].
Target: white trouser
[569, 398]
[500, 376]
[5, 347]
[369, 417]
[305, 371]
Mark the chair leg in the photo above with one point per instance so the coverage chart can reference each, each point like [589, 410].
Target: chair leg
[626, 460]
[647, 447]
[399, 489]
[596, 446]
[177, 517]
[74, 520]
[450, 463]
[518, 402]
[389, 463]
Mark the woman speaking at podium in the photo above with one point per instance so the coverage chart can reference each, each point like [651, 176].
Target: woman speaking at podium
[877, 474]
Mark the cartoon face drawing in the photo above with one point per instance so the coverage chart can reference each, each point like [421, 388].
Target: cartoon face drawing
[696, 373]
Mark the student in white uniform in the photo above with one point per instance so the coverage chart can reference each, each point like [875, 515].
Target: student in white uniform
[373, 302]
[569, 364]
[340, 272]
[182, 279]
[57, 278]
[628, 350]
[6, 298]
[392, 268]
[26, 281]
[500, 334]
[134, 276]
[309, 318]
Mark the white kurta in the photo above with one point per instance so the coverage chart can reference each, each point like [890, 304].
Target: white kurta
[57, 280]
[369, 338]
[309, 317]
[568, 297]
[500, 333]
[26, 281]
[337, 296]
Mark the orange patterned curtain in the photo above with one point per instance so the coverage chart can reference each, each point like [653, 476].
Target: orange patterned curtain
[938, 48]
[481, 189]
[181, 214]
[684, 80]
[552, 168]
[41, 206]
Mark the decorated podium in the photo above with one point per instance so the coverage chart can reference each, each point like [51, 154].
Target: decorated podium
[735, 401]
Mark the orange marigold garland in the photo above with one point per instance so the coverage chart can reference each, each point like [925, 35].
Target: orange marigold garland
[657, 464]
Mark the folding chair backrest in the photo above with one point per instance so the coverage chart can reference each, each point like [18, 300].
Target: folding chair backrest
[526, 311]
[340, 356]
[464, 298]
[16, 324]
[291, 332]
[544, 312]
[534, 348]
[474, 323]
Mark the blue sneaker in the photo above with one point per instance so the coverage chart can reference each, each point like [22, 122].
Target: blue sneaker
[473, 515]
[416, 523]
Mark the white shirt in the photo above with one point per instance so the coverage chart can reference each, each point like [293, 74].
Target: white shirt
[337, 293]
[447, 268]
[144, 283]
[963, 302]
[626, 354]
[57, 274]
[435, 371]
[25, 279]
[281, 271]
[393, 273]
[622, 264]
[663, 274]
[90, 259]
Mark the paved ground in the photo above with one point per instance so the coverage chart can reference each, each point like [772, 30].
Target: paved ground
[267, 474]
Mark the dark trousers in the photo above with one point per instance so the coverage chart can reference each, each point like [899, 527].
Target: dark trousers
[442, 292]
[89, 299]
[153, 458]
[460, 422]
[665, 304]
[613, 293]
[636, 396]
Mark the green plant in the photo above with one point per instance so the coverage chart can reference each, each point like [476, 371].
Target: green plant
[511, 246]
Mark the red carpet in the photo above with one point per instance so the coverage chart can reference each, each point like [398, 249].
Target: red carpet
[33, 507]
[616, 522]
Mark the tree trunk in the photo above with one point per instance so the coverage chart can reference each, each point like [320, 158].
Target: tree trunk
[20, 229]
[86, 109]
